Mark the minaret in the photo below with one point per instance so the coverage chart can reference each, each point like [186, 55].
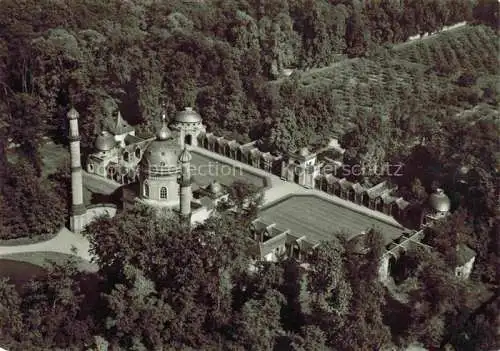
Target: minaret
[78, 210]
[185, 184]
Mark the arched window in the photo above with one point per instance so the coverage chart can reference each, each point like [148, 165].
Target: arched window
[163, 193]
[138, 153]
[126, 156]
[146, 189]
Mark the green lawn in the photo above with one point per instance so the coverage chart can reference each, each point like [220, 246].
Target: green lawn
[44, 258]
[27, 240]
[53, 157]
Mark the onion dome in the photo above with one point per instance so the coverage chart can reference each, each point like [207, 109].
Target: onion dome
[105, 142]
[72, 113]
[214, 187]
[188, 116]
[439, 201]
[462, 174]
[185, 156]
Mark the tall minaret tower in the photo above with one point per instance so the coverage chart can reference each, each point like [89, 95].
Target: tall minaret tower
[185, 184]
[78, 210]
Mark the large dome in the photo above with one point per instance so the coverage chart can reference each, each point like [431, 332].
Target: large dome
[185, 156]
[188, 116]
[105, 142]
[439, 201]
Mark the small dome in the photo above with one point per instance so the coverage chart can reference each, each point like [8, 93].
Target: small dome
[185, 156]
[188, 116]
[105, 142]
[304, 152]
[215, 187]
[72, 113]
[439, 201]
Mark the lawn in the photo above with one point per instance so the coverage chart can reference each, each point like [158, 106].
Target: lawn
[206, 169]
[390, 79]
[54, 156]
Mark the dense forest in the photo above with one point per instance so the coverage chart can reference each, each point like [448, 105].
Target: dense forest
[431, 106]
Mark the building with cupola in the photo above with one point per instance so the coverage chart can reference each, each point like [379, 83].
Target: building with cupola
[155, 171]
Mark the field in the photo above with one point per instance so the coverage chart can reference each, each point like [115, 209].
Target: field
[54, 156]
[401, 73]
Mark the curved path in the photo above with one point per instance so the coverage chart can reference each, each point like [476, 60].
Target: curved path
[65, 242]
